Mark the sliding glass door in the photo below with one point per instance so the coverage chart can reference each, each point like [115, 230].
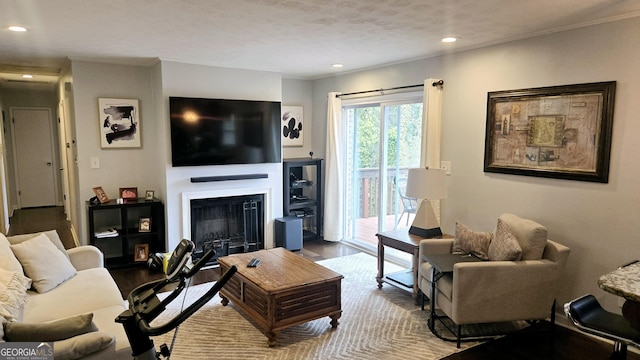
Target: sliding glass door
[383, 142]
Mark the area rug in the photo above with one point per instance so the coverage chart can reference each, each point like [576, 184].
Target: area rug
[375, 324]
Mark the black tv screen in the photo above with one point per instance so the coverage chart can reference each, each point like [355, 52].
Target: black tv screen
[222, 132]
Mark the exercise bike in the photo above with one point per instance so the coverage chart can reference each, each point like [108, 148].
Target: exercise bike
[145, 306]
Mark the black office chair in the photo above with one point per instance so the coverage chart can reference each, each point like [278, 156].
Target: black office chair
[588, 316]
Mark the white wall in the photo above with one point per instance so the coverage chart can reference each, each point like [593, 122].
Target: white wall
[299, 93]
[210, 82]
[599, 222]
[118, 167]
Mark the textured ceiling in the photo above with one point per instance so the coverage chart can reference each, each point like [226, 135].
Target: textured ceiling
[298, 38]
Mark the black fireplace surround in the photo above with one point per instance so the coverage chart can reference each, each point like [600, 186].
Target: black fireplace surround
[228, 225]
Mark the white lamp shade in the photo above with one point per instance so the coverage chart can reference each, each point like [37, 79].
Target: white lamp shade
[426, 184]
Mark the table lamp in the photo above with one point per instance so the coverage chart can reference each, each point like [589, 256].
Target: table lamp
[426, 184]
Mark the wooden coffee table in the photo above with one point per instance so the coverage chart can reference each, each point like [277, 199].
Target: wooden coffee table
[283, 291]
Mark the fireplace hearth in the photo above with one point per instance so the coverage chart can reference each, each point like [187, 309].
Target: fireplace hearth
[228, 225]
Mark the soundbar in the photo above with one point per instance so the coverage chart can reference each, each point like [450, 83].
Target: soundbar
[201, 179]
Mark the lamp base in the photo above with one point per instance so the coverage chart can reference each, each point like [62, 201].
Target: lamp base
[425, 233]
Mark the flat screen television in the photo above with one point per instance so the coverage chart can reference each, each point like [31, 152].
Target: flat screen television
[222, 132]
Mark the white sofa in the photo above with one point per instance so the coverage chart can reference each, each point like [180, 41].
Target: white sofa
[90, 290]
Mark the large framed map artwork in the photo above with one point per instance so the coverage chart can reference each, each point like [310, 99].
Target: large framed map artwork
[558, 132]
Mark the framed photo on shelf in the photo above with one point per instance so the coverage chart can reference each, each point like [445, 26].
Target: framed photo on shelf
[144, 224]
[129, 193]
[141, 252]
[561, 132]
[100, 194]
[148, 195]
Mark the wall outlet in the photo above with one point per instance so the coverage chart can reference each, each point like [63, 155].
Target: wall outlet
[446, 166]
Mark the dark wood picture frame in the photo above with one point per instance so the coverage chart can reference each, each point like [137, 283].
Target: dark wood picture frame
[144, 224]
[129, 193]
[561, 132]
[141, 252]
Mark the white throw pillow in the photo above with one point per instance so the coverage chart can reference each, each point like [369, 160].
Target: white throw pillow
[43, 263]
[51, 234]
[8, 261]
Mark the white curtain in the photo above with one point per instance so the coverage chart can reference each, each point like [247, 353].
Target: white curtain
[334, 171]
[432, 117]
[432, 130]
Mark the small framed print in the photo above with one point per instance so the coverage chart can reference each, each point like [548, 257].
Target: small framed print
[141, 252]
[148, 195]
[100, 194]
[144, 224]
[129, 193]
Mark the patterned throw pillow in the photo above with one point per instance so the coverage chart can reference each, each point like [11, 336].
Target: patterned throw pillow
[13, 294]
[472, 242]
[504, 246]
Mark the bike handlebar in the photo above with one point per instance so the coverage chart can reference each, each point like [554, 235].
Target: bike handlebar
[146, 329]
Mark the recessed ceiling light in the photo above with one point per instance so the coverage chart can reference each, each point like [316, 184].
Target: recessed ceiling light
[27, 76]
[337, 65]
[17, 28]
[449, 39]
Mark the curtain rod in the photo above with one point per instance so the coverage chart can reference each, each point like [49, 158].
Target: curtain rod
[437, 83]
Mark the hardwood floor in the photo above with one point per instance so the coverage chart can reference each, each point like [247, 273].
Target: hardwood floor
[565, 344]
[26, 221]
[128, 278]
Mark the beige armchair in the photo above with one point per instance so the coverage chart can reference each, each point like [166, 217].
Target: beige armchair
[498, 291]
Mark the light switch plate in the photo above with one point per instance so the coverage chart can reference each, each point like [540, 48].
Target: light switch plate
[446, 166]
[95, 162]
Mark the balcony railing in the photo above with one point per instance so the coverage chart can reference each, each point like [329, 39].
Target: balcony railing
[367, 186]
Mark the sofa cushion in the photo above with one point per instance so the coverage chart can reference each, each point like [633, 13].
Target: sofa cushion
[51, 330]
[105, 320]
[8, 261]
[531, 236]
[80, 346]
[13, 294]
[504, 245]
[471, 242]
[52, 235]
[43, 263]
[89, 290]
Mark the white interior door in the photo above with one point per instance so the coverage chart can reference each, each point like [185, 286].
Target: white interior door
[33, 152]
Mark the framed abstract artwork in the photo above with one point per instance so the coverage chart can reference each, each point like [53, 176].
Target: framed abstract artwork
[292, 126]
[119, 122]
[559, 132]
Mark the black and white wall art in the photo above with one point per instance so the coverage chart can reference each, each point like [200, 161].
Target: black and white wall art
[292, 126]
[119, 122]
